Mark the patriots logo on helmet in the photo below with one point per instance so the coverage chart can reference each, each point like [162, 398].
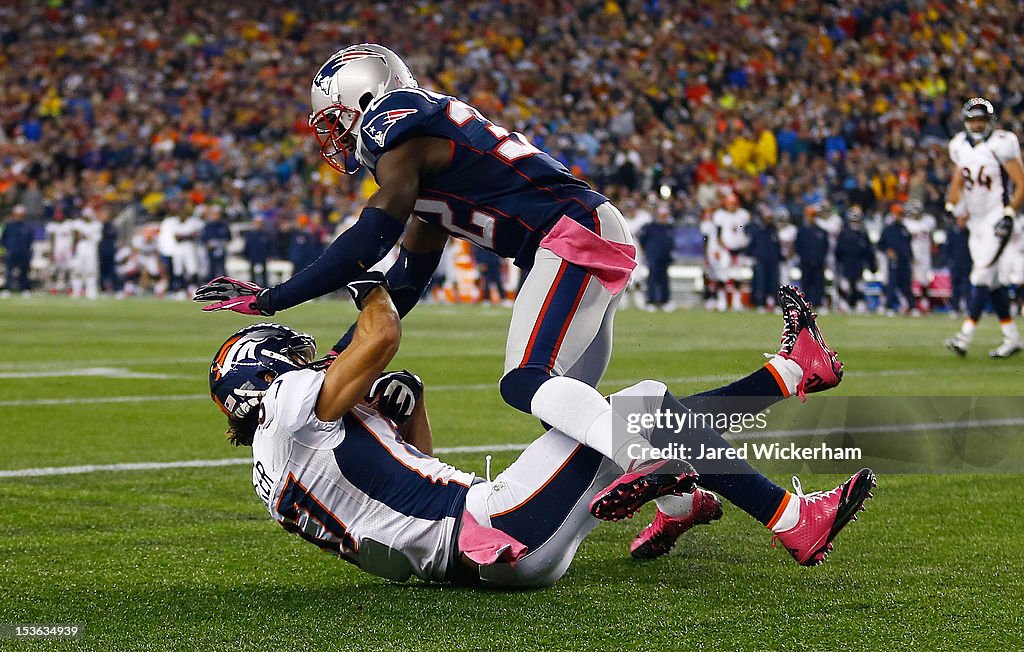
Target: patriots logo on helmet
[333, 65]
[377, 129]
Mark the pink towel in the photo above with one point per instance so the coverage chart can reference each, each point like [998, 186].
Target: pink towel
[611, 263]
[486, 545]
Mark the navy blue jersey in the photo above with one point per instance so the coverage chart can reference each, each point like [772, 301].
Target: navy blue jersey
[499, 192]
[896, 237]
[16, 238]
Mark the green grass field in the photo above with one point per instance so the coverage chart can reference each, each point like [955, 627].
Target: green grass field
[186, 558]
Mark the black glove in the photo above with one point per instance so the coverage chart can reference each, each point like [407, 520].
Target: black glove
[1004, 228]
[364, 285]
[396, 394]
[323, 363]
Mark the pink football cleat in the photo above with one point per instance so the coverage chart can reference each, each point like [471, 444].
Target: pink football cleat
[659, 537]
[822, 515]
[644, 482]
[803, 343]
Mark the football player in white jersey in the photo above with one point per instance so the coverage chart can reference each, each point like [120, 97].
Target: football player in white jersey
[1012, 264]
[731, 221]
[61, 234]
[787, 240]
[920, 225]
[85, 270]
[983, 157]
[341, 457]
[190, 251]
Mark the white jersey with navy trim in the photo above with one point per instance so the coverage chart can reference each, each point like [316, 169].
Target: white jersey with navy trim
[732, 226]
[921, 228]
[981, 167]
[62, 234]
[352, 486]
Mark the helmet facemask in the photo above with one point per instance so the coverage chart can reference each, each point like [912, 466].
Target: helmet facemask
[335, 127]
[978, 134]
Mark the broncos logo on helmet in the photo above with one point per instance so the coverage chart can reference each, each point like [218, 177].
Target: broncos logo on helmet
[975, 109]
[249, 360]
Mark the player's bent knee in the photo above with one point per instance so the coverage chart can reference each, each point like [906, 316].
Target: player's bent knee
[518, 386]
[529, 573]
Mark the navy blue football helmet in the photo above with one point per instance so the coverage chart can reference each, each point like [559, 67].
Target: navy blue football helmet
[979, 107]
[238, 374]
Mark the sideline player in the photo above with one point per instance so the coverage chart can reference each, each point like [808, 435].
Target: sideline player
[85, 264]
[445, 170]
[920, 225]
[61, 234]
[981, 155]
[343, 474]
[732, 222]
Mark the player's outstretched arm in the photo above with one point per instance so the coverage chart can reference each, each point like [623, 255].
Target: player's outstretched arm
[408, 278]
[380, 224]
[374, 344]
[418, 258]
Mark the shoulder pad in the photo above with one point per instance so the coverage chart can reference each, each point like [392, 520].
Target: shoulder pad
[393, 115]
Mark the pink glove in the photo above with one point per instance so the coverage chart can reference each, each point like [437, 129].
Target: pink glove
[232, 294]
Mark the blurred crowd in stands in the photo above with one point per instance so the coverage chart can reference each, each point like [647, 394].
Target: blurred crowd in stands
[834, 116]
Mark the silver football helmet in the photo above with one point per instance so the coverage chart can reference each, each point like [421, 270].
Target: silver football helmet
[343, 88]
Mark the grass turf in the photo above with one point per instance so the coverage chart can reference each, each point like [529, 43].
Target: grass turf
[187, 558]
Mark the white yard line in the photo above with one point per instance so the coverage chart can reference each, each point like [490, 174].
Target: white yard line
[469, 387]
[867, 430]
[31, 402]
[489, 448]
[232, 461]
[63, 364]
[97, 372]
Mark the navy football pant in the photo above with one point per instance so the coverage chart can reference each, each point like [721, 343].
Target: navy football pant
[17, 274]
[658, 292]
[812, 282]
[899, 283]
[765, 282]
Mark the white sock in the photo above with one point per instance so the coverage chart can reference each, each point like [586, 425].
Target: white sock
[579, 411]
[788, 371]
[967, 329]
[676, 506]
[790, 514]
[1010, 331]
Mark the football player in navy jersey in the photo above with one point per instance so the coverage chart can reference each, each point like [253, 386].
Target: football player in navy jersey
[445, 170]
[342, 458]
